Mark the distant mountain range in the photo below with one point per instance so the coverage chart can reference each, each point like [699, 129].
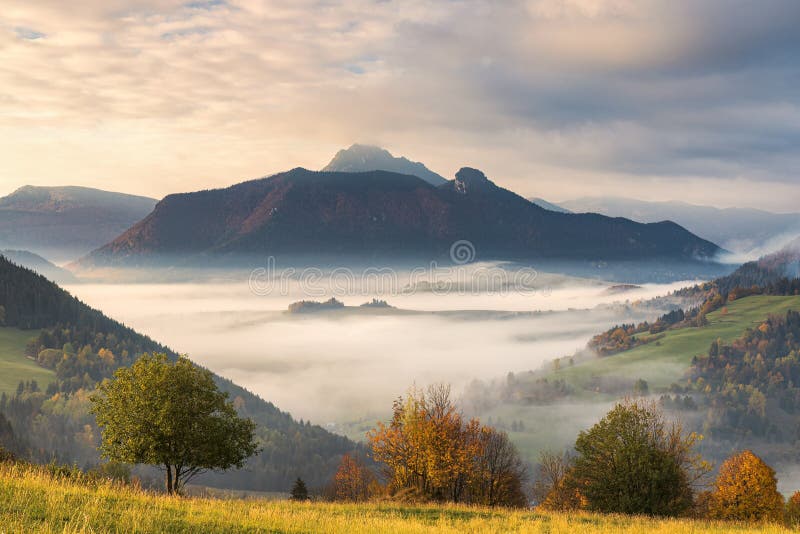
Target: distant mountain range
[365, 158]
[63, 223]
[379, 214]
[736, 229]
[542, 203]
[39, 265]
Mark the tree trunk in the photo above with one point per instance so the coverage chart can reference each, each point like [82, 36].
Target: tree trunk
[170, 486]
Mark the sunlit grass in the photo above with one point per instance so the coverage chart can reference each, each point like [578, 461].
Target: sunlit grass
[33, 501]
[664, 362]
[14, 366]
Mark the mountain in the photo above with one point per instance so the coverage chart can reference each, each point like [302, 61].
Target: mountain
[736, 229]
[82, 346]
[364, 158]
[40, 265]
[381, 215]
[62, 223]
[771, 269]
[542, 203]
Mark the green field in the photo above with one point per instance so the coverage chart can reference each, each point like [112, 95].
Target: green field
[663, 362]
[555, 426]
[32, 501]
[14, 366]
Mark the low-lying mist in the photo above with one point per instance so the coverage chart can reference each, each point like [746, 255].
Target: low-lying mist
[339, 366]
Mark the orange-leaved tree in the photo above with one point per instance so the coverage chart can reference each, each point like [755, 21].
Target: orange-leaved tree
[429, 450]
[354, 481]
[746, 490]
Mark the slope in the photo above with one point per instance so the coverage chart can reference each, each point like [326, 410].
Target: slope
[83, 346]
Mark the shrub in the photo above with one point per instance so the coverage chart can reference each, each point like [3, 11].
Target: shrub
[632, 462]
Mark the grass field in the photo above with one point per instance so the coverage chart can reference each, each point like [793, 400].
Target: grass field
[664, 362]
[14, 366]
[32, 502]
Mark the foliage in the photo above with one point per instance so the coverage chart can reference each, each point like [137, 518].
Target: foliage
[428, 447]
[633, 462]
[753, 383]
[299, 491]
[746, 490]
[171, 415]
[354, 481]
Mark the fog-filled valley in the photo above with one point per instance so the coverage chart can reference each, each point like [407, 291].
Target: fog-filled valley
[343, 368]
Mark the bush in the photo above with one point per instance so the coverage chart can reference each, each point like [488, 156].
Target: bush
[632, 462]
[354, 481]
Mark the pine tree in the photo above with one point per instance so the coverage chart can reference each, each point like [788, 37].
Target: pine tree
[299, 491]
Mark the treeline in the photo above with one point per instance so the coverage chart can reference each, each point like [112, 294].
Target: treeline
[751, 387]
[83, 347]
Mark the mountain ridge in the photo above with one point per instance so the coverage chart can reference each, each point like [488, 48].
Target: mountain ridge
[379, 214]
[65, 222]
[737, 229]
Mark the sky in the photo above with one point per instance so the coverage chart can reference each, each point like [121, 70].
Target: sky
[693, 100]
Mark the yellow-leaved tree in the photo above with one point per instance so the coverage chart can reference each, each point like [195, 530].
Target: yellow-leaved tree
[746, 490]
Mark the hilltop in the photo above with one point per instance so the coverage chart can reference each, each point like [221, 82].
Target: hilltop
[365, 158]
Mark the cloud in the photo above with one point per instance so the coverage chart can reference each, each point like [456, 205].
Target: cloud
[546, 96]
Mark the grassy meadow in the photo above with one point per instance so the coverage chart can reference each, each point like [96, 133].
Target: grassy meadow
[33, 501]
[14, 366]
[663, 362]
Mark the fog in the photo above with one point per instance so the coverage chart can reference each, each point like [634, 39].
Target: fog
[341, 366]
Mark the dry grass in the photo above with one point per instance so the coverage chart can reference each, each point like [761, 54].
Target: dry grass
[31, 500]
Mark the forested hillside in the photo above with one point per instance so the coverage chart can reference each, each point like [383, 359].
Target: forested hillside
[83, 347]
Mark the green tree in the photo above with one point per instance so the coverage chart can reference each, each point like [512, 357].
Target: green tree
[171, 415]
[299, 491]
[632, 462]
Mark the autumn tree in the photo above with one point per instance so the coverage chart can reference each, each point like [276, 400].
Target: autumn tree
[171, 415]
[428, 448]
[500, 473]
[353, 480]
[554, 488]
[299, 490]
[746, 490]
[633, 462]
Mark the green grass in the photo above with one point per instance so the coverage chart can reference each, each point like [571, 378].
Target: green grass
[32, 501]
[664, 362]
[14, 366]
